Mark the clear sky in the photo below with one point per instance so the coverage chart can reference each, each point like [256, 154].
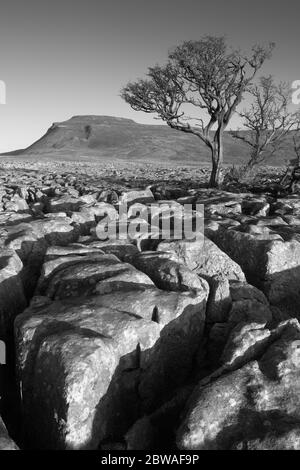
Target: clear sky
[61, 58]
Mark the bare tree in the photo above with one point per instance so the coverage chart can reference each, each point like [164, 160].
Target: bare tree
[268, 122]
[296, 143]
[292, 171]
[203, 76]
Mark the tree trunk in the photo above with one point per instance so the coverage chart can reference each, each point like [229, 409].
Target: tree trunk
[217, 159]
[253, 160]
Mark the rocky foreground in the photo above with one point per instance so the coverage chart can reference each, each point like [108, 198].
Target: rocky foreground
[147, 343]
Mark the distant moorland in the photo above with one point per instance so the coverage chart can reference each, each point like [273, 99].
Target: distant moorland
[112, 138]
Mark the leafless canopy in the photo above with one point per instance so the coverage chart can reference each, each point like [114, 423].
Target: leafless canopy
[268, 121]
[201, 77]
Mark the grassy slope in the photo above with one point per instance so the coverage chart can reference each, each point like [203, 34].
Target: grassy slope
[108, 138]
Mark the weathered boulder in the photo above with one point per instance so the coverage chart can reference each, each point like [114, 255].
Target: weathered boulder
[154, 304]
[255, 406]
[12, 298]
[85, 219]
[256, 206]
[13, 218]
[270, 221]
[292, 219]
[287, 206]
[181, 316]
[246, 340]
[30, 247]
[244, 291]
[56, 230]
[246, 250]
[109, 196]
[87, 274]
[54, 252]
[231, 308]
[249, 310]
[30, 241]
[166, 272]
[79, 367]
[123, 249]
[64, 204]
[261, 232]
[204, 257]
[273, 266]
[16, 204]
[224, 209]
[89, 366]
[142, 196]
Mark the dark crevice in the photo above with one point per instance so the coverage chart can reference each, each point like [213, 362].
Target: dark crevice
[155, 315]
